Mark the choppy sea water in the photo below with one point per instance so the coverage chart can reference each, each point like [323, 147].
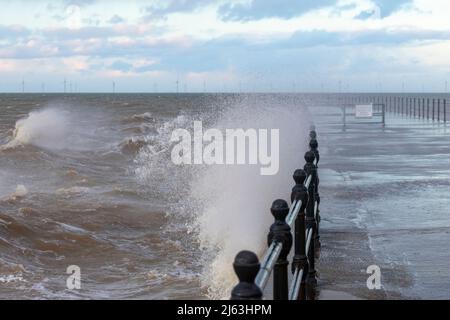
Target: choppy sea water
[87, 180]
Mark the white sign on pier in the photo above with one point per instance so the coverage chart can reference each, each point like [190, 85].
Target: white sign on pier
[364, 111]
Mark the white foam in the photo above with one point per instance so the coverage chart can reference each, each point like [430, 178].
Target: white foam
[45, 128]
[61, 127]
[228, 205]
[20, 192]
[234, 201]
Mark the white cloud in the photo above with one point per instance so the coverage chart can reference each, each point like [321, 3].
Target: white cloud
[86, 37]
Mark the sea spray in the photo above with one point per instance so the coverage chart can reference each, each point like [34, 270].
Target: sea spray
[235, 200]
[43, 128]
[227, 206]
[62, 127]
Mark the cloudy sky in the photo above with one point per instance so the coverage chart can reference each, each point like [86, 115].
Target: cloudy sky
[225, 45]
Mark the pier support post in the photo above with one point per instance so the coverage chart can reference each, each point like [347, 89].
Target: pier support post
[300, 261]
[280, 232]
[246, 267]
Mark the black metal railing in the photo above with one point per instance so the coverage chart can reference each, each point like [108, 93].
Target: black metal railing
[434, 109]
[303, 219]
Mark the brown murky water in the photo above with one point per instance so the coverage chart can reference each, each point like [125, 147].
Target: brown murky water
[87, 180]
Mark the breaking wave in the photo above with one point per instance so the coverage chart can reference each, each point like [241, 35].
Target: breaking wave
[45, 128]
[227, 206]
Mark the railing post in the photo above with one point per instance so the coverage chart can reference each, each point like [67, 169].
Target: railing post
[410, 107]
[439, 110]
[406, 107]
[395, 104]
[246, 267]
[313, 145]
[445, 111]
[402, 106]
[433, 110]
[280, 232]
[423, 108]
[300, 261]
[310, 220]
[418, 107]
[314, 148]
[344, 115]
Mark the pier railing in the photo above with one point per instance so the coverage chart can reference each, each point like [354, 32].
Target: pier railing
[302, 218]
[434, 109]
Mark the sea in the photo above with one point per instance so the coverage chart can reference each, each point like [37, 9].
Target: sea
[87, 181]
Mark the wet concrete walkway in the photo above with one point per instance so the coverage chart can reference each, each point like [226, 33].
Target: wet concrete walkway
[385, 201]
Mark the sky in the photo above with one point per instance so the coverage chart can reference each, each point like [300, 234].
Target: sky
[223, 46]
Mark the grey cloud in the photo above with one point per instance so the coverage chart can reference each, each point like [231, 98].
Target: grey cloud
[174, 6]
[116, 19]
[79, 3]
[387, 7]
[260, 9]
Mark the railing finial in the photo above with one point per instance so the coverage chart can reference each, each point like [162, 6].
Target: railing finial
[309, 158]
[299, 176]
[299, 191]
[280, 232]
[246, 265]
[280, 210]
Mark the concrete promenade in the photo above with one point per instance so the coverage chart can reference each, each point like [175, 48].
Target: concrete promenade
[385, 201]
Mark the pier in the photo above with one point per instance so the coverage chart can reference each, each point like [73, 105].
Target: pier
[383, 202]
